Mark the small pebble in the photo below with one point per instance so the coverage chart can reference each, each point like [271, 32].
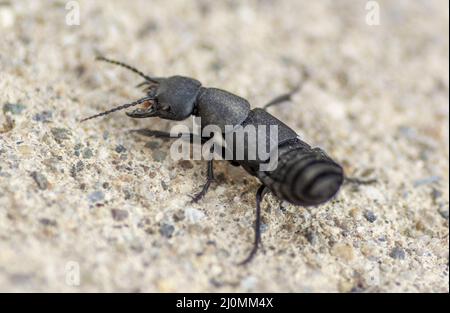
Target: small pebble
[61, 134]
[76, 168]
[77, 149]
[152, 145]
[179, 216]
[119, 215]
[370, 216]
[120, 149]
[343, 251]
[127, 194]
[40, 180]
[96, 196]
[185, 164]
[48, 222]
[311, 237]
[166, 230]
[435, 195]
[159, 156]
[164, 185]
[44, 116]
[87, 153]
[12, 108]
[397, 253]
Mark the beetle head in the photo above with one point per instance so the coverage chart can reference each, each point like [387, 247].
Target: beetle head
[172, 98]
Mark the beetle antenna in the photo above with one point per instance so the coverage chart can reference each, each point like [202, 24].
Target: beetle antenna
[133, 69]
[124, 106]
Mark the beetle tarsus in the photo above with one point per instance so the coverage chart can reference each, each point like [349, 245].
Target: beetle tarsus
[359, 181]
[259, 197]
[210, 178]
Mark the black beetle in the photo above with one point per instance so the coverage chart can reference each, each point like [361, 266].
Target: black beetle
[303, 176]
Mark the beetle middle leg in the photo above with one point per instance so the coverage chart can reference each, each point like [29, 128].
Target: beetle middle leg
[162, 134]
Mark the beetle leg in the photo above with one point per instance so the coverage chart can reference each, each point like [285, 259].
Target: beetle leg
[259, 197]
[164, 135]
[288, 96]
[359, 181]
[210, 178]
[282, 98]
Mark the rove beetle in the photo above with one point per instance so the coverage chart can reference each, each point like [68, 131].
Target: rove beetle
[303, 176]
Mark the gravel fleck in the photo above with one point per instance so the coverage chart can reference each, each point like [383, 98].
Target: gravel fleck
[40, 180]
[13, 108]
[311, 237]
[44, 116]
[48, 222]
[397, 253]
[87, 153]
[370, 216]
[343, 251]
[185, 164]
[166, 230]
[152, 145]
[61, 134]
[435, 195]
[179, 216]
[164, 185]
[119, 215]
[76, 168]
[96, 196]
[120, 149]
[159, 155]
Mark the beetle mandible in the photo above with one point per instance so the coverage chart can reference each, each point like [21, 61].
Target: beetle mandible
[303, 176]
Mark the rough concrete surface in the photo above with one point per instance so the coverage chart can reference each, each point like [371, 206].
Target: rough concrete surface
[96, 200]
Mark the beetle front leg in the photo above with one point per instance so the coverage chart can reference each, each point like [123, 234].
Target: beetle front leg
[163, 135]
[210, 178]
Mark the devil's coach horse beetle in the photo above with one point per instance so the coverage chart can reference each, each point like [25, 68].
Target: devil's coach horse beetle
[303, 176]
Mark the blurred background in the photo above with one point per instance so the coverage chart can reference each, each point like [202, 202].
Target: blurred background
[92, 207]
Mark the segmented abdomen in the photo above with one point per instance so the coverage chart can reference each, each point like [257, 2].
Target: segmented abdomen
[304, 175]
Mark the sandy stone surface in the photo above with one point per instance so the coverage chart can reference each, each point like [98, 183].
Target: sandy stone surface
[96, 200]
